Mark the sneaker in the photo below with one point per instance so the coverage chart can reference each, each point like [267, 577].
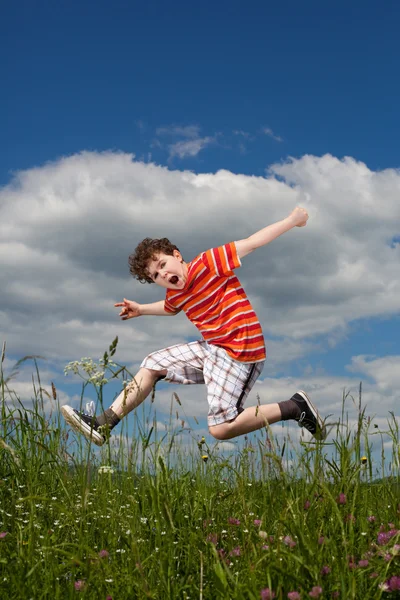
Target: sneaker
[309, 417]
[85, 423]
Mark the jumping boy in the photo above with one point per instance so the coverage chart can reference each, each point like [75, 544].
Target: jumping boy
[230, 356]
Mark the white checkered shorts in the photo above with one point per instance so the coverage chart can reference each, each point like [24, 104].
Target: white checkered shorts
[228, 381]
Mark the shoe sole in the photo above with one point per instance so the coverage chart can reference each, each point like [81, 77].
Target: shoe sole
[320, 433]
[80, 426]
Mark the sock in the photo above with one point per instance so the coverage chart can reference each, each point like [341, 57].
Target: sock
[289, 410]
[108, 418]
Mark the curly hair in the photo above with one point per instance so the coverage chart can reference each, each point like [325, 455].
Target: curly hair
[147, 250]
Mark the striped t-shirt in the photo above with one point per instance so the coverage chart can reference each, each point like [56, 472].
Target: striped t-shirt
[215, 302]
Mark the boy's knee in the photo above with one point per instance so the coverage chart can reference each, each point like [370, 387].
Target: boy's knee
[220, 432]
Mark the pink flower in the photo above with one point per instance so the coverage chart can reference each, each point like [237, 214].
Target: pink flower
[3, 534]
[104, 554]
[79, 585]
[394, 583]
[350, 518]
[235, 551]
[325, 570]
[267, 594]
[307, 505]
[315, 592]
[233, 521]
[371, 519]
[341, 499]
[293, 595]
[212, 538]
[108, 597]
[363, 563]
[321, 540]
[289, 542]
[257, 522]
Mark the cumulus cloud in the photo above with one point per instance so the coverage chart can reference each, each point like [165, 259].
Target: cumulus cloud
[67, 228]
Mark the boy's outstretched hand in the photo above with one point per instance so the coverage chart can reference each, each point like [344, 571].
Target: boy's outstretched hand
[299, 216]
[129, 310]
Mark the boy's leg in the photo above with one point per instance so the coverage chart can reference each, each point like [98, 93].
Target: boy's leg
[136, 391]
[299, 407]
[251, 419]
[97, 428]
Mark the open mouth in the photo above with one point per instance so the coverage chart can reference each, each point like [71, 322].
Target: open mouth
[174, 279]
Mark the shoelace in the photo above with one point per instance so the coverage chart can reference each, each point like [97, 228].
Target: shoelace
[90, 409]
[308, 424]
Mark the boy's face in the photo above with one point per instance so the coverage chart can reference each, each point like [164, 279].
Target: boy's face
[168, 271]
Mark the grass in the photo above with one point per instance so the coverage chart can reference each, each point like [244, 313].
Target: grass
[148, 519]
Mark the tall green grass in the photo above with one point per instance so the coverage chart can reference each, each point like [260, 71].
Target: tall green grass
[149, 518]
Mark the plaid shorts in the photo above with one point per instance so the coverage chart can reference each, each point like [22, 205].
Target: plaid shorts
[228, 381]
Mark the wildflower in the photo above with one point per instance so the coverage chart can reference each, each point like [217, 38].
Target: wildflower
[108, 597]
[364, 460]
[293, 595]
[106, 469]
[341, 499]
[257, 522]
[79, 585]
[315, 592]
[233, 521]
[393, 583]
[289, 542]
[212, 538]
[235, 551]
[385, 536]
[350, 518]
[204, 458]
[263, 535]
[326, 570]
[3, 534]
[267, 594]
[363, 563]
[104, 554]
[371, 519]
[321, 540]
[307, 505]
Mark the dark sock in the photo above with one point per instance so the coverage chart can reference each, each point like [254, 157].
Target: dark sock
[289, 410]
[108, 418]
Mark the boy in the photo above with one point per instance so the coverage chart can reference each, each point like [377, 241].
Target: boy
[230, 356]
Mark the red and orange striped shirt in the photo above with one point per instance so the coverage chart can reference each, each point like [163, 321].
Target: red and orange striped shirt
[215, 302]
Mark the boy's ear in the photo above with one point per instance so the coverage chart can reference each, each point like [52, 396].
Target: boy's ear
[177, 254]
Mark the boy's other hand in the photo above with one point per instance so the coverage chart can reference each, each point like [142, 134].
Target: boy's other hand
[129, 310]
[299, 216]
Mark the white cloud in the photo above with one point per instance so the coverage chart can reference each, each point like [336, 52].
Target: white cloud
[67, 228]
[268, 131]
[184, 149]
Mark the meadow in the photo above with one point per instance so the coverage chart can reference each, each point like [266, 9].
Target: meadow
[150, 518]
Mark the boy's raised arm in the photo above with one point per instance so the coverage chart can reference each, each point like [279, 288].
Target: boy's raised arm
[297, 218]
[131, 309]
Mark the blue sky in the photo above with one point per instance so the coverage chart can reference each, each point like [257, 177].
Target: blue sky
[82, 75]
[196, 89]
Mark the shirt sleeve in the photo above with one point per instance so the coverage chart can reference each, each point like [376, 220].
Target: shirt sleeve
[169, 307]
[222, 260]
